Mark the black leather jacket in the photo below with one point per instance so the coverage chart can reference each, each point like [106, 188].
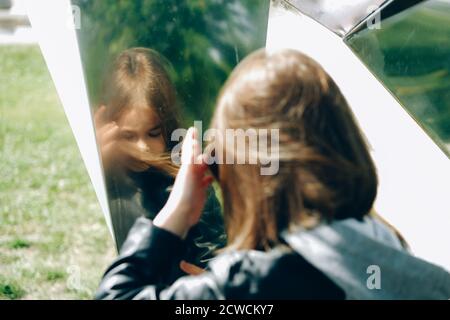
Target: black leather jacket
[144, 195]
[149, 252]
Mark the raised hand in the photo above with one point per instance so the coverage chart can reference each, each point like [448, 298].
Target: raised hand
[185, 204]
[117, 153]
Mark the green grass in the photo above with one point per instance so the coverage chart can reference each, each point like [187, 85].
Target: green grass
[19, 243]
[54, 243]
[10, 290]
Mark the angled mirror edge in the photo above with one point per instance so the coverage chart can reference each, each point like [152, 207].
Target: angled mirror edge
[388, 9]
[342, 34]
[107, 209]
[402, 5]
[43, 25]
[289, 4]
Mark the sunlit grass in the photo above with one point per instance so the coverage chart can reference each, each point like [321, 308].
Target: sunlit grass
[54, 243]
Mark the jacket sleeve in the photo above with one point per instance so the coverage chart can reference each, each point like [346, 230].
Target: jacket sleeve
[142, 266]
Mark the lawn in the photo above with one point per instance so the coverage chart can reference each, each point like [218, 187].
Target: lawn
[54, 242]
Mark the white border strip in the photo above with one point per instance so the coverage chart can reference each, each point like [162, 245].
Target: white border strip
[50, 20]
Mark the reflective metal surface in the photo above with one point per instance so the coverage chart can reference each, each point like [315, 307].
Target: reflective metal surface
[410, 54]
[153, 66]
[338, 16]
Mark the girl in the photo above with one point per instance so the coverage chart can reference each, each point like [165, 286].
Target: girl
[303, 233]
[134, 124]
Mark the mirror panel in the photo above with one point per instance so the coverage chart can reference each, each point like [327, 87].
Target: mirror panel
[151, 67]
[410, 54]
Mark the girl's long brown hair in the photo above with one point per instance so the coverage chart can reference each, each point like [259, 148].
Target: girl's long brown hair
[325, 169]
[140, 76]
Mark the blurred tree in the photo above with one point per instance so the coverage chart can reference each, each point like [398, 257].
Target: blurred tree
[203, 40]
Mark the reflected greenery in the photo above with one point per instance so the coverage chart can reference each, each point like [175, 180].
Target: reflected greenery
[203, 40]
[410, 54]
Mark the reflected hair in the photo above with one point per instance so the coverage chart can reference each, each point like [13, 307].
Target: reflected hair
[325, 169]
[140, 77]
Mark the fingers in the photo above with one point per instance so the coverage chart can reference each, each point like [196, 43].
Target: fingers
[187, 148]
[207, 181]
[191, 269]
[201, 167]
[109, 132]
[105, 131]
[100, 117]
[190, 149]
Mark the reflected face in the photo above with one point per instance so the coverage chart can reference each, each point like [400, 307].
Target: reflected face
[141, 126]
